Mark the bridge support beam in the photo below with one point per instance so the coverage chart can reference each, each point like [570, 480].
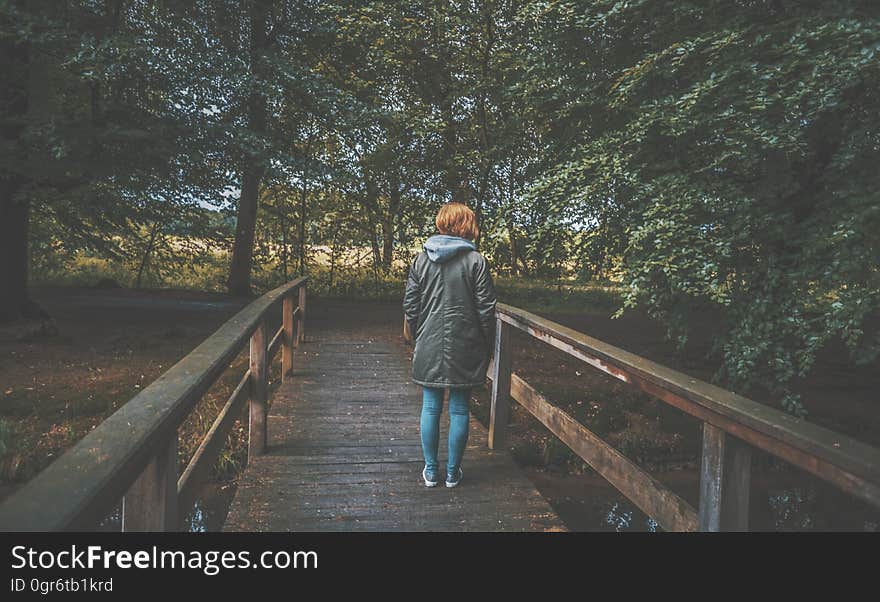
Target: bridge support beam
[725, 475]
[151, 502]
[301, 322]
[500, 411]
[288, 342]
[257, 424]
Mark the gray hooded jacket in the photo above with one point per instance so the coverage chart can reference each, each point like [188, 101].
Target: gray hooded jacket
[450, 307]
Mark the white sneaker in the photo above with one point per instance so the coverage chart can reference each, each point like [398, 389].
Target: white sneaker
[428, 482]
[453, 480]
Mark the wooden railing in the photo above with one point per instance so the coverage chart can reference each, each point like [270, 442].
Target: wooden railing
[132, 454]
[732, 426]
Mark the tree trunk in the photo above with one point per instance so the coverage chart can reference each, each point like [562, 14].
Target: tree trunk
[303, 206]
[511, 227]
[489, 32]
[239, 282]
[302, 230]
[374, 217]
[284, 247]
[154, 232]
[377, 253]
[453, 178]
[333, 252]
[245, 226]
[14, 301]
[389, 220]
[387, 242]
[514, 252]
[14, 212]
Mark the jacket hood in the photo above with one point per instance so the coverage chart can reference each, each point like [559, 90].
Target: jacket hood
[441, 247]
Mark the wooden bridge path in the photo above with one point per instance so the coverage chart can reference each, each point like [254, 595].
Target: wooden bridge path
[343, 447]
[344, 451]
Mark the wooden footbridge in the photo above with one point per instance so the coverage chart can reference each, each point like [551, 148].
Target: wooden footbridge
[338, 446]
[344, 453]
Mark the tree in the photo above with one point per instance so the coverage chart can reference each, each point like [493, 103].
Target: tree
[715, 158]
[92, 120]
[282, 113]
[735, 144]
[253, 167]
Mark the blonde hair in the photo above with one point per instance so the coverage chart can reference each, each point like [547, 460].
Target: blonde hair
[457, 219]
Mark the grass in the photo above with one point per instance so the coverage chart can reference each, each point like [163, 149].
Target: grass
[559, 296]
[207, 274]
[358, 282]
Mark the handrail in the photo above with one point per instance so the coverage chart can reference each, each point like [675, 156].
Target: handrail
[132, 453]
[850, 465]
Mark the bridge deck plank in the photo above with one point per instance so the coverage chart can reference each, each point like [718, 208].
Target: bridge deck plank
[344, 454]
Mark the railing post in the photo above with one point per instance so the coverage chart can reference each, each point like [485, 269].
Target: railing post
[150, 504]
[500, 386]
[257, 429]
[725, 475]
[287, 341]
[301, 326]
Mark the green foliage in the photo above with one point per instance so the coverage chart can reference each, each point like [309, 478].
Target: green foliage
[735, 145]
[715, 157]
[558, 296]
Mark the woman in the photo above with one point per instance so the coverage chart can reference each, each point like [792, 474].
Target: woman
[450, 310]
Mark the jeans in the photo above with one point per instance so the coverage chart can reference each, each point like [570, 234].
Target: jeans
[432, 406]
